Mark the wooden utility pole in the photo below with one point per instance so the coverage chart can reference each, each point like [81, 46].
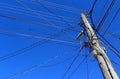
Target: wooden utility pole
[99, 52]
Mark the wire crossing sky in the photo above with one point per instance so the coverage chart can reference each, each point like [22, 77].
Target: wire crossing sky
[38, 38]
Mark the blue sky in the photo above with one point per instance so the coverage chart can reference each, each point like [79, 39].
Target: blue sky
[38, 35]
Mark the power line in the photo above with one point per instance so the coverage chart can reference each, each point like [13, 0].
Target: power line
[105, 15]
[51, 24]
[55, 26]
[113, 35]
[61, 18]
[21, 51]
[33, 11]
[40, 65]
[35, 22]
[109, 45]
[112, 21]
[106, 1]
[93, 6]
[91, 12]
[69, 67]
[31, 22]
[59, 6]
[61, 62]
[98, 18]
[77, 67]
[27, 21]
[25, 49]
[14, 54]
[99, 14]
[38, 37]
[16, 9]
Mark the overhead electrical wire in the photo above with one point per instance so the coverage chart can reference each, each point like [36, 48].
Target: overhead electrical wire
[71, 64]
[8, 7]
[61, 62]
[113, 35]
[40, 65]
[25, 49]
[45, 19]
[73, 72]
[59, 6]
[105, 15]
[35, 22]
[14, 54]
[46, 8]
[61, 18]
[39, 37]
[38, 32]
[98, 18]
[109, 45]
[93, 6]
[112, 21]
[23, 11]
[91, 11]
[106, 1]
[24, 20]
[21, 51]
[20, 19]
[28, 21]
[31, 22]
[53, 25]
